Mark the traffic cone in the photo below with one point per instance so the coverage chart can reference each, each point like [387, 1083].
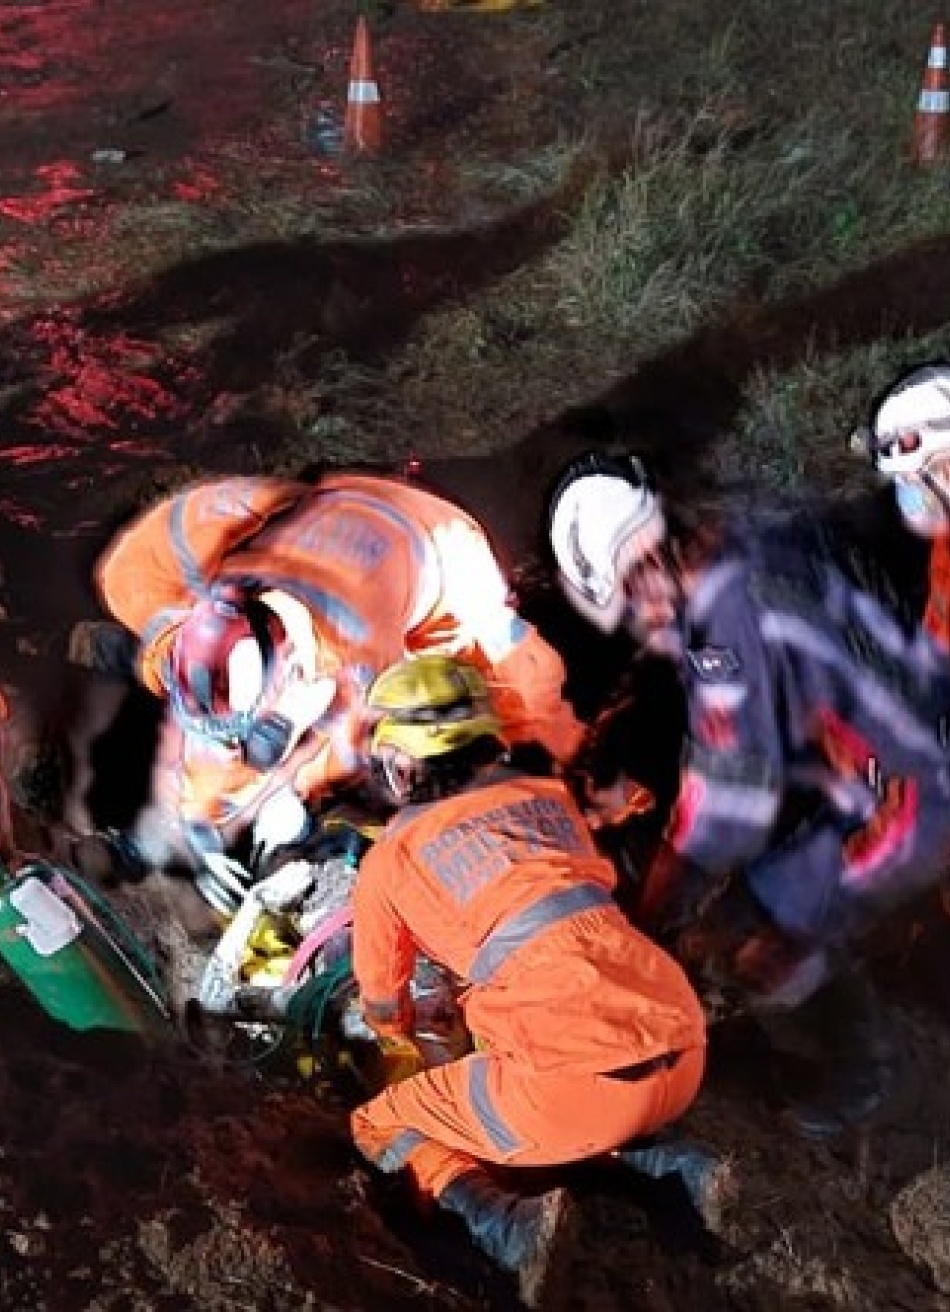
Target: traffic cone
[932, 120]
[363, 129]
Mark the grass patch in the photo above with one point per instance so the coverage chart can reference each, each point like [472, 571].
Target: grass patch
[763, 161]
[698, 179]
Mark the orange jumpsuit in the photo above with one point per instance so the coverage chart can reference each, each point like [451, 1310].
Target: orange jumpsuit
[587, 1033]
[383, 568]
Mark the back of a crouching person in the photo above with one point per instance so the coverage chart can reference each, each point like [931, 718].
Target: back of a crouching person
[503, 883]
[587, 1035]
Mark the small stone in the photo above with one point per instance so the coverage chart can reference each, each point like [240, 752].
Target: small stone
[920, 1220]
[26, 1245]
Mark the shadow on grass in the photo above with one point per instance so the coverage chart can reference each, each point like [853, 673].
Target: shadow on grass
[676, 405]
[673, 410]
[133, 382]
[361, 296]
[240, 312]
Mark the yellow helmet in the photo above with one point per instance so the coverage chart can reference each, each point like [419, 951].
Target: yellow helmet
[430, 706]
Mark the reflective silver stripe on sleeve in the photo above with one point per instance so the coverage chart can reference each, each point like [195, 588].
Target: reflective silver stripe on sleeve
[741, 806]
[191, 571]
[501, 1135]
[512, 934]
[363, 93]
[909, 726]
[395, 1155]
[162, 620]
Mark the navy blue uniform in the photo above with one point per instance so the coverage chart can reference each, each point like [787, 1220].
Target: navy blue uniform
[801, 680]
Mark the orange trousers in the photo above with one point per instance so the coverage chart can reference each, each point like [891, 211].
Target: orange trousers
[445, 1121]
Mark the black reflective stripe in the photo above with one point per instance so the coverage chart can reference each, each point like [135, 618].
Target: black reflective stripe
[642, 1070]
[512, 934]
[501, 1135]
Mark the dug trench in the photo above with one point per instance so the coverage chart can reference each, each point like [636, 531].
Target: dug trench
[148, 1168]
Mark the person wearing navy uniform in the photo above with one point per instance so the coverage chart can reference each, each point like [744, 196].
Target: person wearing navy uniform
[814, 781]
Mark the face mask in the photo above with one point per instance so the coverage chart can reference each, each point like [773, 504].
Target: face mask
[920, 508]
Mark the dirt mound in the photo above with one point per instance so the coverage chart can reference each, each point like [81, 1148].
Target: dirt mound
[920, 1219]
[125, 1168]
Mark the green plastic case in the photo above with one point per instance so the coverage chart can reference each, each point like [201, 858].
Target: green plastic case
[77, 958]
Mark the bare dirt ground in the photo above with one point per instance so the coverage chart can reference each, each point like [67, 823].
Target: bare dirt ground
[217, 293]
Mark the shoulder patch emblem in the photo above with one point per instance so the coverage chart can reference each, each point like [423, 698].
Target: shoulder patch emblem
[715, 664]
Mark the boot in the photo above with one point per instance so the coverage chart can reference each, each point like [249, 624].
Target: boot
[705, 1175]
[528, 1236]
[859, 1062]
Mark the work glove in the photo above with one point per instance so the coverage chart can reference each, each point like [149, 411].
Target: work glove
[282, 821]
[285, 887]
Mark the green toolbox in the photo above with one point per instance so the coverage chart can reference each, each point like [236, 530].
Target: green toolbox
[77, 958]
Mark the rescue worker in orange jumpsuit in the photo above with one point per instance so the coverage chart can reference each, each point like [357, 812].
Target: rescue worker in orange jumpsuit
[265, 608]
[587, 1034]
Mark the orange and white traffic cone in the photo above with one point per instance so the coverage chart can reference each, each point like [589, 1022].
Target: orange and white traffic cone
[931, 138]
[363, 129]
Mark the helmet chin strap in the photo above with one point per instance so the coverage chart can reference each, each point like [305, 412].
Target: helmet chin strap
[394, 778]
[396, 775]
[299, 707]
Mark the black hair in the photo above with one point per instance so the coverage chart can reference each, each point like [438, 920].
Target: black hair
[446, 775]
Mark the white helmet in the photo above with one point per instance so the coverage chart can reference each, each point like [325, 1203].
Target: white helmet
[604, 517]
[910, 442]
